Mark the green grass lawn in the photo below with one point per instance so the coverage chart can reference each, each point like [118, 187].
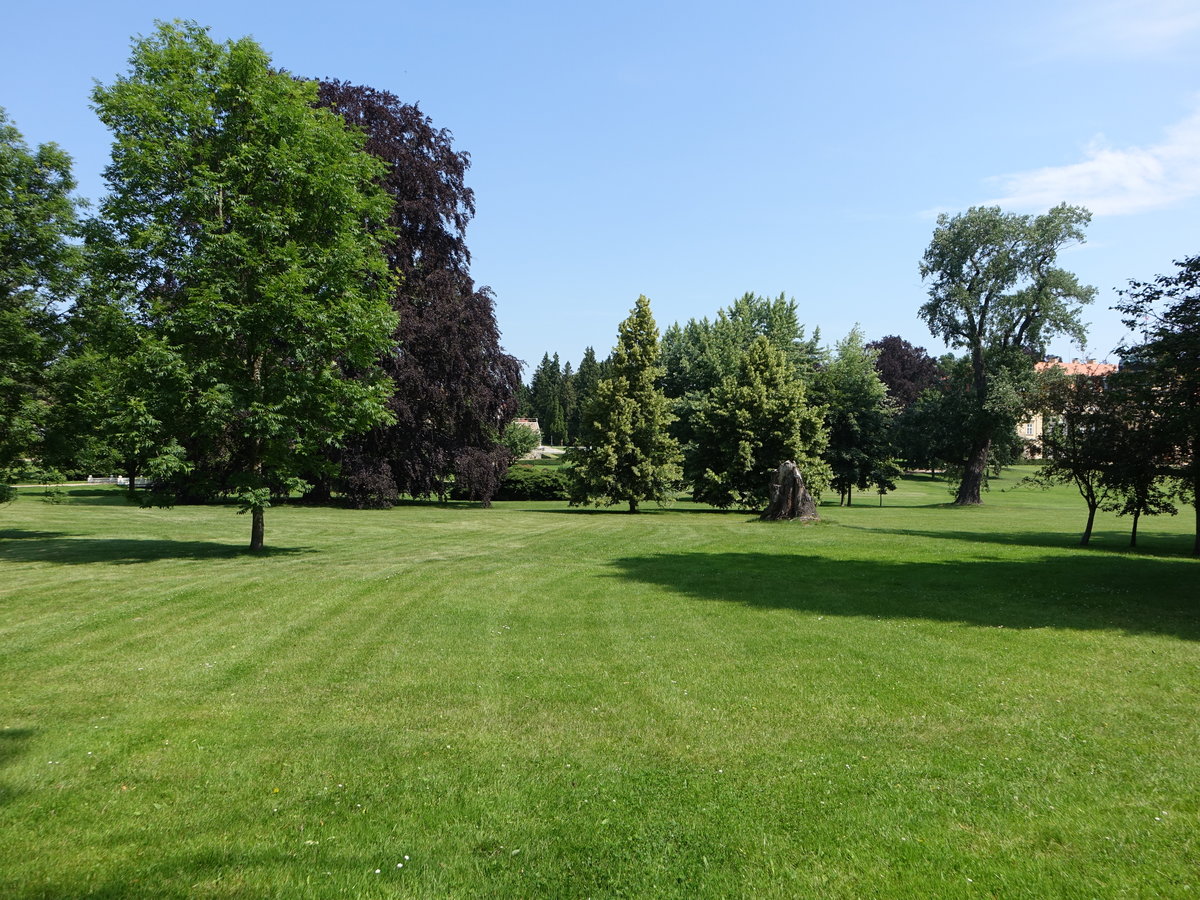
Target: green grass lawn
[534, 701]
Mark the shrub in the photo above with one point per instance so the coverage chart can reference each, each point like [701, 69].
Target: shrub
[28, 472]
[533, 483]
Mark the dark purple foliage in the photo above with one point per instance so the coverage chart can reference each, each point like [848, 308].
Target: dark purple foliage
[455, 385]
[906, 370]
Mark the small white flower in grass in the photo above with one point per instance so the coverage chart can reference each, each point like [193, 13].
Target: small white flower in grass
[376, 871]
[406, 857]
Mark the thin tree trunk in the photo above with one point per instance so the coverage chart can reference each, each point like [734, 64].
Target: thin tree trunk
[1087, 532]
[971, 486]
[257, 528]
[1133, 533]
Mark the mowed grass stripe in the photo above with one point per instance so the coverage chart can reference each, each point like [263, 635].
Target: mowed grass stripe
[532, 701]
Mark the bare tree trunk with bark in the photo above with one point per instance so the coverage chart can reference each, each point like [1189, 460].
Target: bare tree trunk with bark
[971, 487]
[790, 498]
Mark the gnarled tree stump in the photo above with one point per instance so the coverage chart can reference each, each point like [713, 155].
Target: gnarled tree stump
[790, 499]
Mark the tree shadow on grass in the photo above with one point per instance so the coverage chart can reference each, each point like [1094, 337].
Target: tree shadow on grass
[13, 743]
[127, 551]
[208, 864]
[1103, 540]
[20, 534]
[1131, 594]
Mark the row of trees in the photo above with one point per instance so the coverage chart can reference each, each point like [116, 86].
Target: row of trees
[1130, 442]
[727, 400]
[719, 404]
[273, 297]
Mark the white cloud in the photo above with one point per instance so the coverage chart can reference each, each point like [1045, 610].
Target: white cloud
[1124, 28]
[1114, 181]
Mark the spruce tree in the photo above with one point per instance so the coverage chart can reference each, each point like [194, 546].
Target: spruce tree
[584, 385]
[629, 457]
[546, 397]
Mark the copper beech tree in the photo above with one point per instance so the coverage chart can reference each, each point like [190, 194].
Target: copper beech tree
[454, 386]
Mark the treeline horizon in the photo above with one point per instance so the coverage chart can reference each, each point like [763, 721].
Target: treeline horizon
[274, 298]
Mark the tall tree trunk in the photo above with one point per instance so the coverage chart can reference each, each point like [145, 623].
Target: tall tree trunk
[970, 487]
[257, 528]
[1087, 532]
[1133, 532]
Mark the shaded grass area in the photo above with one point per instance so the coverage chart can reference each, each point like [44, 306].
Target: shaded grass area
[902, 701]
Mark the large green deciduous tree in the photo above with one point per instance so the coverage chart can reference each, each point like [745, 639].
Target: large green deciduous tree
[751, 422]
[242, 230]
[626, 454]
[996, 292]
[39, 267]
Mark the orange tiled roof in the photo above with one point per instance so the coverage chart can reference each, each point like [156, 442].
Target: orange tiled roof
[1075, 367]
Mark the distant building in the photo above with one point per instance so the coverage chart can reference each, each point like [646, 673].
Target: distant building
[531, 424]
[1031, 431]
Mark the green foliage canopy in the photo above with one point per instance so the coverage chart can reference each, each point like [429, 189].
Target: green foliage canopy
[243, 230]
[858, 416]
[39, 269]
[627, 454]
[996, 292]
[1167, 363]
[754, 420]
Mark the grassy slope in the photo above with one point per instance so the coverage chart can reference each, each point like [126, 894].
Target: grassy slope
[531, 701]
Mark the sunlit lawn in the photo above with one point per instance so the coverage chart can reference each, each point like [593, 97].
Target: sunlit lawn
[526, 701]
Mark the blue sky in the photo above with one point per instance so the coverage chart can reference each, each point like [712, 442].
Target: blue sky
[693, 151]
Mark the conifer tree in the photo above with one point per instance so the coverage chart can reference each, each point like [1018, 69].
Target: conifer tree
[754, 420]
[859, 418]
[628, 456]
[584, 385]
[546, 397]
